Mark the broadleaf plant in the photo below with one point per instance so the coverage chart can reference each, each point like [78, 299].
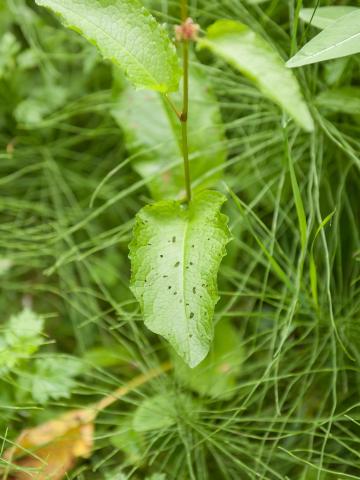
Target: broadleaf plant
[167, 253]
[128, 35]
[340, 39]
[255, 58]
[52, 377]
[21, 338]
[175, 255]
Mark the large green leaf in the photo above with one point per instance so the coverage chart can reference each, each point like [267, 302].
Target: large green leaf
[126, 33]
[258, 60]
[153, 135]
[216, 375]
[339, 39]
[322, 17]
[175, 257]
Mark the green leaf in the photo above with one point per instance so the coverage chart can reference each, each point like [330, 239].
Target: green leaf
[175, 257]
[52, 378]
[41, 102]
[249, 53]
[322, 17]
[127, 34]
[153, 135]
[24, 332]
[162, 411]
[216, 375]
[339, 39]
[21, 338]
[341, 100]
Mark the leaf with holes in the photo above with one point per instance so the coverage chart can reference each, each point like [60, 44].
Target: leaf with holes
[339, 39]
[175, 257]
[126, 33]
[253, 56]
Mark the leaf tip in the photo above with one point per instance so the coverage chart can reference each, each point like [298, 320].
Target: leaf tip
[293, 62]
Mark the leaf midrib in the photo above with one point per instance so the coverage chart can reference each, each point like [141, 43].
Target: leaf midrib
[183, 274]
[333, 46]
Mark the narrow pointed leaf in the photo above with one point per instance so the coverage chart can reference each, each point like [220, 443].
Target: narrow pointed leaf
[126, 33]
[339, 39]
[322, 17]
[175, 257]
[153, 134]
[246, 51]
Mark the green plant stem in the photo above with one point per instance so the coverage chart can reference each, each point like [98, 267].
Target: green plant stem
[184, 10]
[172, 106]
[185, 106]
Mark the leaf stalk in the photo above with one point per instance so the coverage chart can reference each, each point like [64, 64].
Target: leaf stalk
[185, 105]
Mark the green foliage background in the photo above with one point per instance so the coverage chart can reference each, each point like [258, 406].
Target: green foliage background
[292, 411]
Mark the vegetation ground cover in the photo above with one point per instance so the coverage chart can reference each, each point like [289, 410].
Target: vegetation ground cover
[278, 395]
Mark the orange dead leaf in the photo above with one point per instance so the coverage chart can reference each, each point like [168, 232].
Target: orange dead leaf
[50, 450]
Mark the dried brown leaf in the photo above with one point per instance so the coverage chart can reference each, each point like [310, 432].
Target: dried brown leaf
[51, 449]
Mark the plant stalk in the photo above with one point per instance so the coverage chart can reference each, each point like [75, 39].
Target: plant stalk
[185, 105]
